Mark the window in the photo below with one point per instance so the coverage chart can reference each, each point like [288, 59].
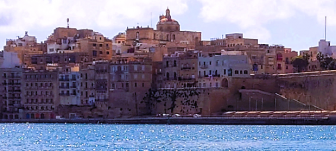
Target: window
[143, 67]
[94, 45]
[245, 72]
[100, 45]
[241, 72]
[135, 76]
[143, 84]
[137, 35]
[107, 52]
[224, 71]
[94, 53]
[135, 85]
[135, 67]
[100, 52]
[236, 72]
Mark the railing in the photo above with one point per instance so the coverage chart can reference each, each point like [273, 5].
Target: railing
[101, 71]
[204, 66]
[64, 87]
[185, 79]
[187, 68]
[101, 100]
[13, 77]
[14, 90]
[64, 79]
[64, 94]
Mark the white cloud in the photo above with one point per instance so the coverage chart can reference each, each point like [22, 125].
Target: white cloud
[18, 15]
[253, 15]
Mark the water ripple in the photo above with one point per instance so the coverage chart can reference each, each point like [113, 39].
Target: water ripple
[164, 137]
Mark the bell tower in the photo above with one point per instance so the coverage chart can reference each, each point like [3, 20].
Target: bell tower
[168, 14]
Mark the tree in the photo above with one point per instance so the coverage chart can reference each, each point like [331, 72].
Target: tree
[301, 63]
[326, 62]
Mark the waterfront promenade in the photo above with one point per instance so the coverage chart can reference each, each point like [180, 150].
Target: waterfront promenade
[228, 118]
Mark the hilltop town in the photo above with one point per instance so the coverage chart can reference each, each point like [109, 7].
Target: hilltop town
[80, 73]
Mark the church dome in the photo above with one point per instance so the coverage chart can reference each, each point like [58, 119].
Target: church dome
[166, 23]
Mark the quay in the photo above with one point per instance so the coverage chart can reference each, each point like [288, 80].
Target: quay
[210, 120]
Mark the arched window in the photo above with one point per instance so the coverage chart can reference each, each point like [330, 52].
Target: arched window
[137, 35]
[245, 72]
[167, 75]
[225, 83]
[154, 36]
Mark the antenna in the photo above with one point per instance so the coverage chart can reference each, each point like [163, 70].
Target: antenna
[68, 22]
[325, 28]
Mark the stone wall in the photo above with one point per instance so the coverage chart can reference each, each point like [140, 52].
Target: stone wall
[315, 89]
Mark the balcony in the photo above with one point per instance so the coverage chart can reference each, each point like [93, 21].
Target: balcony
[64, 87]
[102, 100]
[187, 68]
[186, 79]
[13, 77]
[64, 94]
[64, 79]
[74, 86]
[14, 98]
[101, 71]
[73, 93]
[11, 83]
[91, 96]
[204, 66]
[13, 91]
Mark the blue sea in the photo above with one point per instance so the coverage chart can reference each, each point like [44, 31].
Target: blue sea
[165, 137]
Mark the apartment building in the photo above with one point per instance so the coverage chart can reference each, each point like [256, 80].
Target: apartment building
[10, 88]
[40, 93]
[69, 90]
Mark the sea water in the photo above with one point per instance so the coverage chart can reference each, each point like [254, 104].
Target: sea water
[165, 137]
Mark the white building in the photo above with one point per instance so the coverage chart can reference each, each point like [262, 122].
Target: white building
[325, 48]
[214, 70]
[65, 45]
[69, 88]
[9, 60]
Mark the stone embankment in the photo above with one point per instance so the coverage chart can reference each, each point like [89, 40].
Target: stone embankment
[229, 118]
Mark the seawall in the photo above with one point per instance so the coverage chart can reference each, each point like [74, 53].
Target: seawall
[189, 120]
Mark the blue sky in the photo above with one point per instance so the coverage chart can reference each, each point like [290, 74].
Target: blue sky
[296, 24]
